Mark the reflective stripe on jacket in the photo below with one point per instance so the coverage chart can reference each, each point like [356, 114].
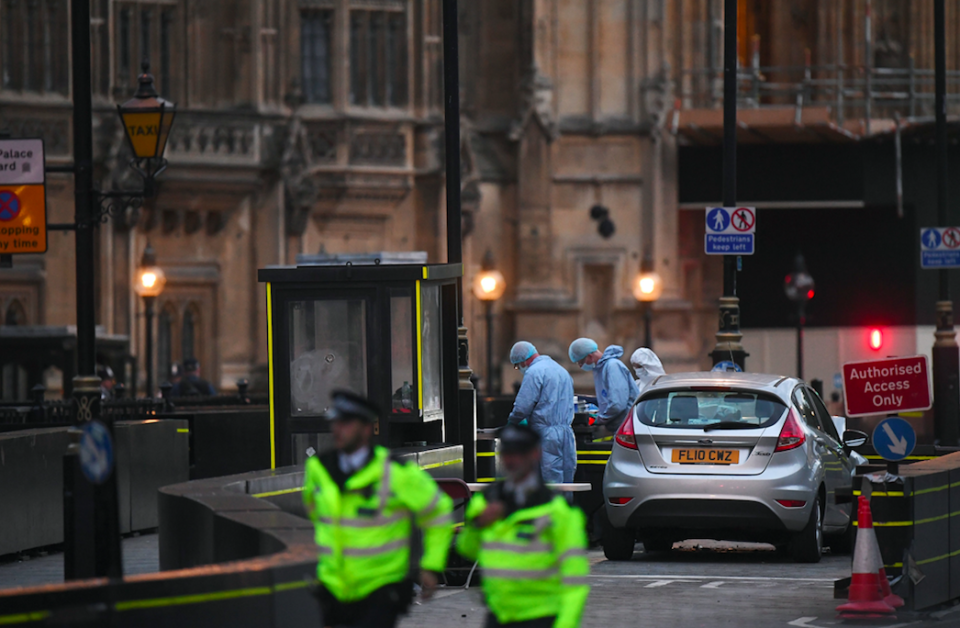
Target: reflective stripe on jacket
[534, 561]
[363, 532]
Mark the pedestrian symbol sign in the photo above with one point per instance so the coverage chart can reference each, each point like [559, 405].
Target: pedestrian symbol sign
[23, 198]
[940, 247]
[730, 230]
[894, 439]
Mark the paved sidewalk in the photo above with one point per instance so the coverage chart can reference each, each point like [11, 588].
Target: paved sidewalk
[141, 554]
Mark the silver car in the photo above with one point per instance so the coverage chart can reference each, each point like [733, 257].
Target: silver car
[729, 456]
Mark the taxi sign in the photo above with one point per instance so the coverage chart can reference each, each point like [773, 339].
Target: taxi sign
[23, 197]
[886, 386]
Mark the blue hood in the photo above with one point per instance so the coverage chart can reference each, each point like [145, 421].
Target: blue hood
[613, 352]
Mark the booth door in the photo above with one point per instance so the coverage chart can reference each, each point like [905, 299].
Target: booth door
[330, 348]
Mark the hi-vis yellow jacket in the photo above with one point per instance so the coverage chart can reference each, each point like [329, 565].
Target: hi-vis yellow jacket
[533, 561]
[364, 531]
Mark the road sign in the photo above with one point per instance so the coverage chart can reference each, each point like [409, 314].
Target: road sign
[894, 439]
[96, 452]
[886, 386]
[730, 230]
[940, 247]
[23, 197]
[727, 367]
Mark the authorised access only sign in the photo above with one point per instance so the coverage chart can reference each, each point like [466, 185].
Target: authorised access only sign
[23, 197]
[887, 386]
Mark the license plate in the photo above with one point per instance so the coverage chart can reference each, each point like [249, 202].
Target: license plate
[706, 456]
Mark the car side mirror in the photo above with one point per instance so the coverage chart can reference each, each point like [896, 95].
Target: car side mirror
[855, 438]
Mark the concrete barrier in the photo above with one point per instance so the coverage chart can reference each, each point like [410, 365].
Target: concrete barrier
[149, 454]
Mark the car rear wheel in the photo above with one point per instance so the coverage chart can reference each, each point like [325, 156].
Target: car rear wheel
[807, 545]
[618, 543]
[657, 545]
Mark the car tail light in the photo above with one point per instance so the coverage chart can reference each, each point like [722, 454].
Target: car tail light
[791, 435]
[620, 501]
[792, 503]
[625, 435]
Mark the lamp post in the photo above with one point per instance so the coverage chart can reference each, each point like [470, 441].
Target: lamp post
[488, 286]
[150, 283]
[798, 287]
[647, 288]
[91, 511]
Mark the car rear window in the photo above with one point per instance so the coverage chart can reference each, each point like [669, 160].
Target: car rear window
[695, 409]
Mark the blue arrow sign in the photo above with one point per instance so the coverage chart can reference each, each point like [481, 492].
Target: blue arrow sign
[894, 439]
[96, 452]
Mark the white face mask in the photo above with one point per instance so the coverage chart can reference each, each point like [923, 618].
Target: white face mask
[640, 371]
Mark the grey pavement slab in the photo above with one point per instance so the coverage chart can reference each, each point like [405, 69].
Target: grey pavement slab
[141, 554]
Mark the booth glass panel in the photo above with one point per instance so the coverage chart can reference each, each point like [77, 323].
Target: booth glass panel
[328, 351]
[404, 388]
[430, 334]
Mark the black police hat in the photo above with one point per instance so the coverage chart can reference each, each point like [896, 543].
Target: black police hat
[518, 439]
[348, 405]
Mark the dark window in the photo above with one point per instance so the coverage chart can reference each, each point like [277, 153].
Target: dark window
[315, 46]
[15, 314]
[164, 343]
[12, 42]
[32, 32]
[825, 419]
[188, 346]
[146, 17]
[396, 83]
[124, 61]
[378, 58]
[166, 23]
[806, 410]
[358, 87]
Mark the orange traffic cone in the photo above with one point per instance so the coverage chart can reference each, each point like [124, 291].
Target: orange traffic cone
[889, 596]
[866, 599]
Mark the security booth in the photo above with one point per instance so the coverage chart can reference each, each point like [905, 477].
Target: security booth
[387, 331]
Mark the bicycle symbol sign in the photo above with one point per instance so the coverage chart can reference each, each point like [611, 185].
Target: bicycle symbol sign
[744, 220]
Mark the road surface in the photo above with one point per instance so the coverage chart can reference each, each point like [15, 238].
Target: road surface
[699, 584]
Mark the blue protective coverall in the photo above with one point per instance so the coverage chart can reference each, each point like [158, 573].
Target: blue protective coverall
[546, 401]
[616, 390]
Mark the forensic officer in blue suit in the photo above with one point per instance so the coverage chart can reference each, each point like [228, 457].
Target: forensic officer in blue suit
[616, 390]
[545, 400]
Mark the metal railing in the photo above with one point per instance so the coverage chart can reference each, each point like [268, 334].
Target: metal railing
[853, 92]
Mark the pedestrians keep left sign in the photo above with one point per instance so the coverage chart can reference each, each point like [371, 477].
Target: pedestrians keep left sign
[96, 452]
[940, 247]
[894, 439]
[23, 197]
[730, 230]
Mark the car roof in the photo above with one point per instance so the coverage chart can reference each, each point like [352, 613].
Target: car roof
[766, 382]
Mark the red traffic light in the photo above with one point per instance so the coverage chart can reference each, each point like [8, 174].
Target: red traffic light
[809, 294]
[876, 339]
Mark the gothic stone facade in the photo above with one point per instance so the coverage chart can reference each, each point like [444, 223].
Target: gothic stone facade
[316, 125]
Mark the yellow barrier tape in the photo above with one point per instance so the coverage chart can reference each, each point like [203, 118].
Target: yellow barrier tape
[23, 618]
[486, 479]
[927, 561]
[445, 463]
[882, 493]
[602, 452]
[183, 430]
[907, 458]
[198, 598]
[290, 586]
[486, 454]
[273, 443]
[591, 461]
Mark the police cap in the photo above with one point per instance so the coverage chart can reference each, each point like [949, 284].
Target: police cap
[518, 439]
[348, 405]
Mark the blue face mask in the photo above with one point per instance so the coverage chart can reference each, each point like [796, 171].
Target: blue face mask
[523, 369]
[588, 367]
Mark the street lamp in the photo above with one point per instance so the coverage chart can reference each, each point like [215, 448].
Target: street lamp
[647, 288]
[799, 288]
[147, 119]
[488, 286]
[150, 283]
